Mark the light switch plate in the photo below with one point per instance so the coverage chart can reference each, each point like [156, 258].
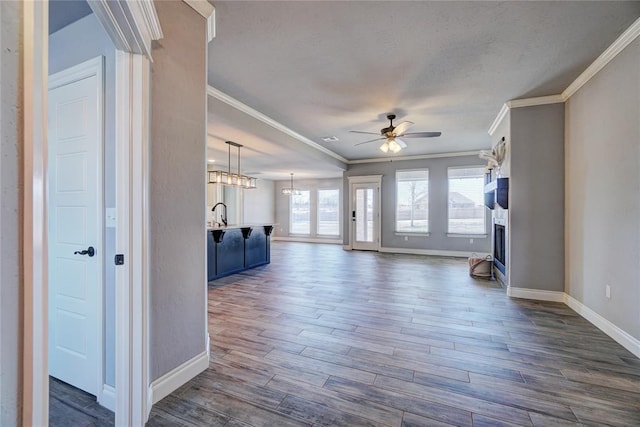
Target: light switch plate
[110, 217]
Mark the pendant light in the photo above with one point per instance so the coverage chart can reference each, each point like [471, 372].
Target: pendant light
[290, 191]
[232, 179]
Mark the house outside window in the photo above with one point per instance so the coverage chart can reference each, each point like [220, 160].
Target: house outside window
[412, 201]
[329, 212]
[300, 209]
[466, 211]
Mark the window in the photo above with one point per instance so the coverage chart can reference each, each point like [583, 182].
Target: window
[466, 200]
[412, 201]
[300, 222]
[329, 212]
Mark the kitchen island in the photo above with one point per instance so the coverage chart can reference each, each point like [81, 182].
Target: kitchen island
[235, 248]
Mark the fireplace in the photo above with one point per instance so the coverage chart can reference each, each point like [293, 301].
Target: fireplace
[500, 247]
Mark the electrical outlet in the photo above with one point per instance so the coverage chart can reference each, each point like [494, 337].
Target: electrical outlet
[471, 241]
[406, 238]
[607, 291]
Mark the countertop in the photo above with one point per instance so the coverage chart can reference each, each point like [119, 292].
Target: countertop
[236, 226]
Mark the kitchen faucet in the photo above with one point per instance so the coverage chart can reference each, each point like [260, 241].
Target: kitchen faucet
[223, 216]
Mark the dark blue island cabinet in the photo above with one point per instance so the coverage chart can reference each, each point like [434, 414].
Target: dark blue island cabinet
[234, 249]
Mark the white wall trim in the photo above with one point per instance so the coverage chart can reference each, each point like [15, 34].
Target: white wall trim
[628, 36]
[208, 11]
[617, 334]
[614, 332]
[532, 102]
[34, 57]
[501, 115]
[365, 179]
[305, 240]
[131, 24]
[535, 294]
[169, 382]
[347, 247]
[132, 236]
[417, 157]
[221, 96]
[108, 397]
[431, 252]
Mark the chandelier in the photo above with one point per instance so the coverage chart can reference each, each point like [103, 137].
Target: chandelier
[290, 191]
[232, 179]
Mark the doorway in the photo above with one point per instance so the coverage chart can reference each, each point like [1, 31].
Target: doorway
[364, 207]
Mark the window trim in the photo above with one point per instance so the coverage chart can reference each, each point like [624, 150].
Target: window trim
[449, 233]
[397, 232]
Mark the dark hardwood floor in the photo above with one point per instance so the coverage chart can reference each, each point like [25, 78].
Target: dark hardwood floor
[69, 406]
[327, 337]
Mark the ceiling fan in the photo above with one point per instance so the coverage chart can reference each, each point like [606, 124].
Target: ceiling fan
[391, 135]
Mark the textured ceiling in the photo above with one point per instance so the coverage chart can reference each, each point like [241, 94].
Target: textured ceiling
[324, 68]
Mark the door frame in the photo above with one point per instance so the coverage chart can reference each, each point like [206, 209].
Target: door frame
[376, 181]
[86, 69]
[132, 25]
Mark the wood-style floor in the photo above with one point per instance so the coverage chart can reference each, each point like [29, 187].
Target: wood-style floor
[327, 337]
[69, 406]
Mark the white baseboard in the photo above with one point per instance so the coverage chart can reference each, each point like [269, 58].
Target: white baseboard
[617, 334]
[620, 336]
[434, 252]
[169, 382]
[306, 240]
[347, 247]
[108, 397]
[535, 294]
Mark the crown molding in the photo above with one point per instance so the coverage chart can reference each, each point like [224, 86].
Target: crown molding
[628, 36]
[418, 157]
[208, 11]
[611, 52]
[221, 96]
[499, 118]
[530, 102]
[132, 25]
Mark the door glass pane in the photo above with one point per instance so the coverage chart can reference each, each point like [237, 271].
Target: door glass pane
[364, 215]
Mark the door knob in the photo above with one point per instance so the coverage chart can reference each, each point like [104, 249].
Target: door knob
[89, 251]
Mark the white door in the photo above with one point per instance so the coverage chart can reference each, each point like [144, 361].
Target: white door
[75, 230]
[365, 216]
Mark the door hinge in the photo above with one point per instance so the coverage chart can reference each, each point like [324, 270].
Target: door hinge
[119, 259]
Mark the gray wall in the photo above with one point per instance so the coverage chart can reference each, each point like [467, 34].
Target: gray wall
[603, 191]
[177, 189]
[83, 40]
[438, 204]
[282, 204]
[536, 198]
[10, 215]
[259, 204]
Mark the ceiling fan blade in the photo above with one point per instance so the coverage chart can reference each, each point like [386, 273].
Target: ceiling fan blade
[401, 143]
[368, 133]
[421, 134]
[402, 128]
[371, 140]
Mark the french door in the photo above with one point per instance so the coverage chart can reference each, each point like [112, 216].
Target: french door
[364, 196]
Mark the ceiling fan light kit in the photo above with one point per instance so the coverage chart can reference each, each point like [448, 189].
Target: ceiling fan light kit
[391, 133]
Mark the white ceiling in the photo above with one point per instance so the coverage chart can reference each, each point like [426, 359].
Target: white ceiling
[323, 68]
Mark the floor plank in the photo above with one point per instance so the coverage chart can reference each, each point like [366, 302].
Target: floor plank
[323, 336]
